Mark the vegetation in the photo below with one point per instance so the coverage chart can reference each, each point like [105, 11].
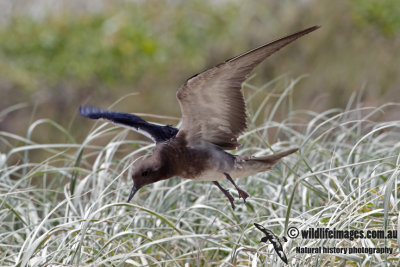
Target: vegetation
[63, 187]
[70, 208]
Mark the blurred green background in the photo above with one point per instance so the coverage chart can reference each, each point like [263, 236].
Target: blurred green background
[57, 55]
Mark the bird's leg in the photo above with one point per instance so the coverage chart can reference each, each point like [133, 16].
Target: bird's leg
[226, 193]
[242, 194]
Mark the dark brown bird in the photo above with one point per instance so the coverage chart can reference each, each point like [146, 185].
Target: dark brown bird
[214, 116]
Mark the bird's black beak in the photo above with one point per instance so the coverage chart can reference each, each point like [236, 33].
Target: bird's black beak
[133, 191]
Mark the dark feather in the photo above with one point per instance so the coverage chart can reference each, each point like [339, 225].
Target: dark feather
[212, 104]
[158, 133]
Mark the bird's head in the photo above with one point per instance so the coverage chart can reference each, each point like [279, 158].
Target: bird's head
[145, 172]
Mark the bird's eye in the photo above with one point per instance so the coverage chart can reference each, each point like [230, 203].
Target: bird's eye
[145, 173]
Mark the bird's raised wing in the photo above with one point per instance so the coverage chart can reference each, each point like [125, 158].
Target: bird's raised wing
[212, 105]
[158, 133]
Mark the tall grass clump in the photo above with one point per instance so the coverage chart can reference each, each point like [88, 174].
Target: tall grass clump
[64, 204]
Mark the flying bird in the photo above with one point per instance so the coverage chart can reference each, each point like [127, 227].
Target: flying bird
[274, 239]
[213, 117]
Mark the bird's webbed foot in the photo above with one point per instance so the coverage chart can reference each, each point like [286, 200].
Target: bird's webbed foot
[242, 194]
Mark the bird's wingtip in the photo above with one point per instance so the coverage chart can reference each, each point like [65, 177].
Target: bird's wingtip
[310, 29]
[81, 110]
[84, 110]
[89, 112]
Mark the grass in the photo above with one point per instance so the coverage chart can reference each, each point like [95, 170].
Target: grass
[70, 207]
